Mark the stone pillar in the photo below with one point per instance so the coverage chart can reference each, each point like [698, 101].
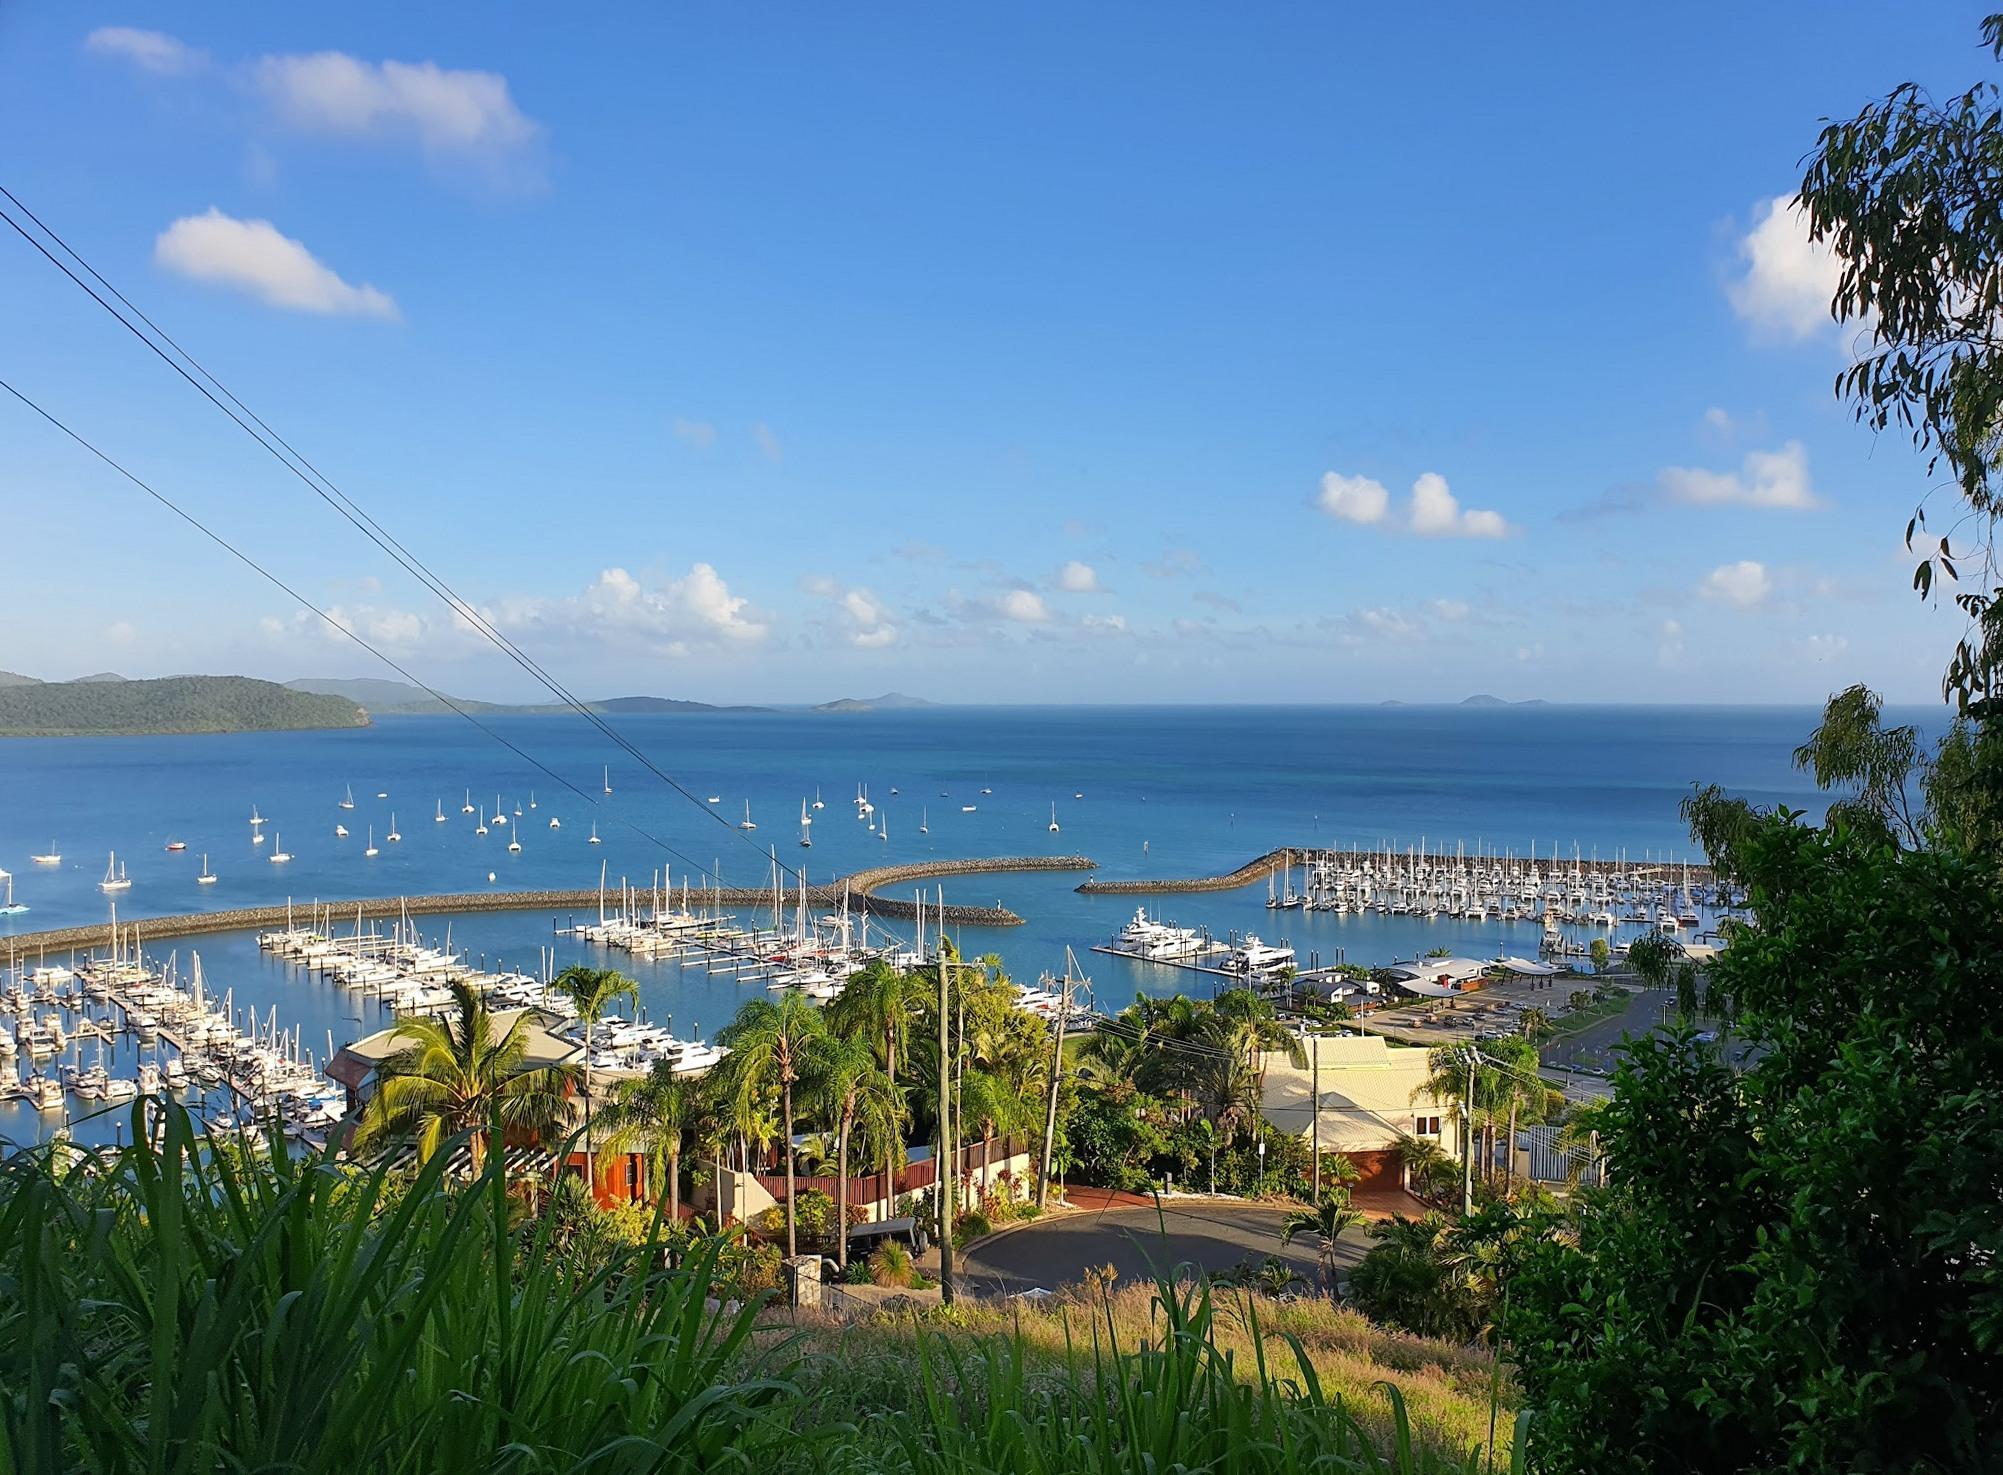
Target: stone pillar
[803, 1280]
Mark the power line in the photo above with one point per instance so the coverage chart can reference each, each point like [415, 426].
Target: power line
[250, 563]
[324, 488]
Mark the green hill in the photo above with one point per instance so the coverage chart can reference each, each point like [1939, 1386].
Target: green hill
[398, 699]
[170, 705]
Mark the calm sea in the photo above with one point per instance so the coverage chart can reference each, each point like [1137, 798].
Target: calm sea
[1141, 791]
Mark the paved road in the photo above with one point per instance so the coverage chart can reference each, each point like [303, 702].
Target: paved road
[1138, 1243]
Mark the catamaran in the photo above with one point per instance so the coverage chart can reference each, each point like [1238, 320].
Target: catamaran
[467, 807]
[393, 837]
[817, 798]
[114, 876]
[439, 818]
[515, 846]
[481, 828]
[1053, 819]
[371, 852]
[608, 779]
[340, 832]
[279, 854]
[500, 816]
[555, 823]
[594, 840]
[348, 799]
[748, 823]
[207, 877]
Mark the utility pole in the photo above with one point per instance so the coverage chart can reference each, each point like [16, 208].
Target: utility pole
[1056, 1070]
[943, 1180]
[1467, 1138]
[1314, 1117]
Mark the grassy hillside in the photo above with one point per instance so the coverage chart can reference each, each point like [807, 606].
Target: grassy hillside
[175, 1307]
[173, 704]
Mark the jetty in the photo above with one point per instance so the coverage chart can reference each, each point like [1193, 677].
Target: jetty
[864, 883]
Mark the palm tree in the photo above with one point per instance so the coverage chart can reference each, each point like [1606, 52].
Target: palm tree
[654, 1115]
[456, 1076]
[1326, 1222]
[846, 1086]
[878, 1003]
[592, 991]
[769, 1045]
[1245, 1025]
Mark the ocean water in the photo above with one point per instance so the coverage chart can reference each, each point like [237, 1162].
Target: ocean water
[1163, 792]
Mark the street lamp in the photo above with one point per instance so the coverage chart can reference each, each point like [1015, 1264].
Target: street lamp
[1262, 1165]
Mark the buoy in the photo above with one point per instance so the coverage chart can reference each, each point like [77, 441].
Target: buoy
[490, 878]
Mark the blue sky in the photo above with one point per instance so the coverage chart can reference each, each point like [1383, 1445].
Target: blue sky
[1034, 353]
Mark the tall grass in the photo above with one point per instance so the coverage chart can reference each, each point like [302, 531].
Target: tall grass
[185, 1307]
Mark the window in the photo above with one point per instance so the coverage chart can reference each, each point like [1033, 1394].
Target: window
[1425, 1126]
[632, 1179]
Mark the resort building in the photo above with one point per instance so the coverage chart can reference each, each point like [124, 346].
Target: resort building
[1372, 1093]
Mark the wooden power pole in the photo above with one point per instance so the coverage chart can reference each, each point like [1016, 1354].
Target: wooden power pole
[1056, 1071]
[943, 1180]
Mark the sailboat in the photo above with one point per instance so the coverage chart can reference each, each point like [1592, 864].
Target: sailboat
[279, 854]
[392, 836]
[481, 829]
[805, 818]
[555, 823]
[817, 798]
[884, 833]
[207, 877]
[371, 852]
[256, 819]
[348, 799]
[806, 832]
[594, 840]
[518, 809]
[608, 779]
[54, 857]
[439, 818]
[748, 822]
[8, 906]
[467, 807]
[532, 799]
[923, 828]
[986, 790]
[500, 815]
[515, 846]
[1053, 819]
[114, 876]
[340, 832]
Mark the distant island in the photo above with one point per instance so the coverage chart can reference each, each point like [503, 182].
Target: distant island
[398, 699]
[1483, 699]
[110, 706]
[890, 701]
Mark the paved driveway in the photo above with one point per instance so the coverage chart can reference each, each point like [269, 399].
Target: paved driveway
[1139, 1242]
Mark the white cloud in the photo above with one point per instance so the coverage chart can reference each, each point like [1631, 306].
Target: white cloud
[1434, 511]
[1822, 647]
[1023, 606]
[120, 632]
[1437, 513]
[695, 611]
[1764, 479]
[1789, 280]
[1078, 578]
[865, 620]
[252, 256]
[377, 624]
[768, 443]
[1104, 624]
[1669, 652]
[449, 113]
[151, 51]
[1718, 420]
[1353, 498]
[1743, 585]
[698, 433]
[1451, 609]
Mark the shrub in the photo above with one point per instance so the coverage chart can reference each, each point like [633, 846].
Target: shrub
[970, 1226]
[890, 1265]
